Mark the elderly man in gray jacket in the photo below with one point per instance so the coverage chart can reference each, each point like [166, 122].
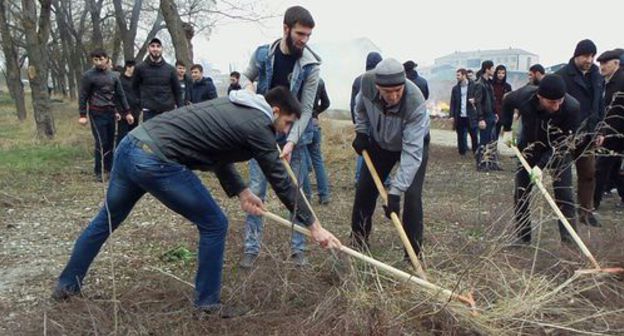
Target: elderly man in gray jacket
[392, 125]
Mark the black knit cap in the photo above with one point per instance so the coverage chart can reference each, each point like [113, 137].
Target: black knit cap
[585, 47]
[552, 87]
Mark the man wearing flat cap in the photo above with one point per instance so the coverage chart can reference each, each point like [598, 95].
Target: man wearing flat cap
[584, 82]
[550, 118]
[392, 125]
[611, 134]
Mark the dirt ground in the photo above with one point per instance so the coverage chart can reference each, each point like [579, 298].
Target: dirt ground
[132, 290]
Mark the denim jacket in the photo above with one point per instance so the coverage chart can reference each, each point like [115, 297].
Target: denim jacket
[303, 85]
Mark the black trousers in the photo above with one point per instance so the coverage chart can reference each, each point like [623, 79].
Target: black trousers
[366, 196]
[124, 128]
[463, 128]
[103, 130]
[605, 167]
[564, 197]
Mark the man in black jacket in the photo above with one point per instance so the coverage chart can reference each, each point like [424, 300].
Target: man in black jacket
[549, 121]
[156, 83]
[202, 88]
[372, 59]
[611, 131]
[123, 127]
[100, 93]
[463, 113]
[412, 74]
[584, 82]
[158, 158]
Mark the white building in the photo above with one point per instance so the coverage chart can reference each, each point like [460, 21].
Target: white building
[514, 59]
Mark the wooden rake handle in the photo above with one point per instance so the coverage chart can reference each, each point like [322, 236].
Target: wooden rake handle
[555, 208]
[396, 273]
[395, 219]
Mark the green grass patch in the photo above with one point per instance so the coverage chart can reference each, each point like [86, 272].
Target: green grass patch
[5, 99]
[40, 158]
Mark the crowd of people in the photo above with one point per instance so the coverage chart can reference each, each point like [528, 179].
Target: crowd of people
[566, 118]
[270, 114]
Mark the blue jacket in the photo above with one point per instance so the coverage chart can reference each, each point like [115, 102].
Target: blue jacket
[589, 97]
[202, 90]
[303, 84]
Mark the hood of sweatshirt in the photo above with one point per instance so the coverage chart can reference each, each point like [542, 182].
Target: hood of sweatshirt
[249, 99]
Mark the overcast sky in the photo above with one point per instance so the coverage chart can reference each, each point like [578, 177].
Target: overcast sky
[423, 31]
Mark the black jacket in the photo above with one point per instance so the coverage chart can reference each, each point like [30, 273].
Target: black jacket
[355, 89]
[455, 107]
[202, 90]
[215, 134]
[126, 83]
[588, 92]
[613, 129]
[419, 81]
[157, 86]
[233, 87]
[543, 134]
[484, 99]
[102, 92]
[321, 102]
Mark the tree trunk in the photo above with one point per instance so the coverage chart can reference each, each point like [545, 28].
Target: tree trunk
[179, 35]
[95, 9]
[37, 32]
[66, 46]
[13, 78]
[127, 34]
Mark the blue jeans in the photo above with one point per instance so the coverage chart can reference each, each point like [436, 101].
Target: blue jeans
[487, 135]
[103, 130]
[136, 172]
[316, 158]
[463, 129]
[258, 185]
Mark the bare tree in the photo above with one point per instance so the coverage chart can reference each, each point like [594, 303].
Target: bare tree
[12, 72]
[181, 32]
[37, 31]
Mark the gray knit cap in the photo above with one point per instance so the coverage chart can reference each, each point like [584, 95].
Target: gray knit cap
[389, 72]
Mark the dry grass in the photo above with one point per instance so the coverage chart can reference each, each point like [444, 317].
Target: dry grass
[519, 291]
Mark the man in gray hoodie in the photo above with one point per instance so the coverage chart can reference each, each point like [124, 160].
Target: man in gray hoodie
[159, 157]
[392, 125]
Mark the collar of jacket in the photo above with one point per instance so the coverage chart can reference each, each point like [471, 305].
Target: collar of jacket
[150, 62]
[573, 70]
[308, 57]
[619, 73]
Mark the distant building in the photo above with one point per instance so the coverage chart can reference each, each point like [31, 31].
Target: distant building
[514, 59]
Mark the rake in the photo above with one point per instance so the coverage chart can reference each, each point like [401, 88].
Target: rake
[566, 224]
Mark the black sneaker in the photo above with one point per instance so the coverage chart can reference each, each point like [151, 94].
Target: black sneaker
[222, 310]
[590, 219]
[99, 179]
[299, 259]
[248, 260]
[567, 241]
[325, 200]
[61, 294]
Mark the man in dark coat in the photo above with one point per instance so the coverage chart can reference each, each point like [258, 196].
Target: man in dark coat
[584, 82]
[500, 87]
[463, 113]
[156, 83]
[135, 108]
[611, 132]
[372, 59]
[101, 94]
[549, 121]
[412, 74]
[202, 88]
